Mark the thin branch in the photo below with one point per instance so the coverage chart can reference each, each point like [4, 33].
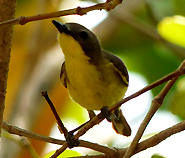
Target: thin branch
[22, 132]
[61, 126]
[22, 20]
[147, 143]
[60, 150]
[156, 139]
[156, 104]
[23, 142]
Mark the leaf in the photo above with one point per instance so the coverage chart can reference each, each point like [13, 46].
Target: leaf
[65, 154]
[157, 156]
[173, 29]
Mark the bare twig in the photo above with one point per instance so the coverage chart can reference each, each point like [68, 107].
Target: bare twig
[23, 142]
[22, 20]
[60, 150]
[147, 143]
[156, 104]
[22, 132]
[156, 139]
[61, 126]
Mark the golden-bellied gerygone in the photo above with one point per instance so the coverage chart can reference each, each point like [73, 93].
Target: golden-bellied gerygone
[94, 77]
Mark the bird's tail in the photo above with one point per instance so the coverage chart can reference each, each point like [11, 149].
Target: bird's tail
[120, 124]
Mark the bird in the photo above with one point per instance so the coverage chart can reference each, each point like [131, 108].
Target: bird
[94, 77]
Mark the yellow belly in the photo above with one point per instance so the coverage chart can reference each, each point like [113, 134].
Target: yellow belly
[92, 88]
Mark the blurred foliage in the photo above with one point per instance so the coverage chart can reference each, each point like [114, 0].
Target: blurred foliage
[66, 153]
[173, 29]
[142, 55]
[157, 156]
[36, 59]
[177, 102]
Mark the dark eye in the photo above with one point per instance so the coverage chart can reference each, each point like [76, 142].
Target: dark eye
[83, 35]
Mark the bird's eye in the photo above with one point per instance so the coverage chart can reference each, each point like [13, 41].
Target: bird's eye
[83, 35]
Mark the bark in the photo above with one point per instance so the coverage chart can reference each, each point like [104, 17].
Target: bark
[7, 12]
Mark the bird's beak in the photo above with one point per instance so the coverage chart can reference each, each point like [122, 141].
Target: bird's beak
[62, 28]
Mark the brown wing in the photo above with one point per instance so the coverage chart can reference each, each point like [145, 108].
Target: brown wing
[119, 65]
[63, 75]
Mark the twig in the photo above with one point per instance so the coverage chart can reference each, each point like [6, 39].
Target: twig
[23, 142]
[150, 12]
[147, 143]
[60, 150]
[156, 139]
[61, 126]
[156, 104]
[22, 132]
[22, 20]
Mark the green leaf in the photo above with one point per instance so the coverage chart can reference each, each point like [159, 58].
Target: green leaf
[173, 29]
[65, 154]
[157, 156]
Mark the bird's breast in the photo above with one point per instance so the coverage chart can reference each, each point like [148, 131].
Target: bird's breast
[94, 86]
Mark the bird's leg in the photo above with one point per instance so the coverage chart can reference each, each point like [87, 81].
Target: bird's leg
[91, 114]
[108, 115]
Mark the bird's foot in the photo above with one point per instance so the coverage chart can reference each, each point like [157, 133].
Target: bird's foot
[108, 115]
[71, 141]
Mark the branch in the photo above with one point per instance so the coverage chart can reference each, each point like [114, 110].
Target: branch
[156, 104]
[150, 142]
[22, 132]
[7, 11]
[61, 127]
[22, 20]
[147, 143]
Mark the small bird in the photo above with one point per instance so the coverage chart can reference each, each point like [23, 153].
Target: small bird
[95, 78]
